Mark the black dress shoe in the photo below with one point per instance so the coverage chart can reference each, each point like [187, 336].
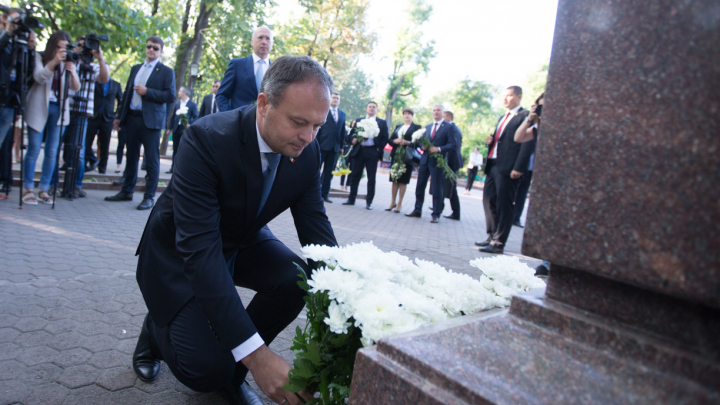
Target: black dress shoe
[368, 207]
[435, 220]
[169, 171]
[327, 200]
[541, 270]
[101, 170]
[414, 214]
[121, 196]
[117, 183]
[145, 363]
[348, 202]
[517, 223]
[79, 193]
[146, 204]
[243, 395]
[492, 249]
[484, 243]
[451, 217]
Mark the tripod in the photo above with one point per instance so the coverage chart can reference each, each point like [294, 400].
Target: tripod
[75, 136]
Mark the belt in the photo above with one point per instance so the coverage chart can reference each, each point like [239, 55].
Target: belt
[137, 113]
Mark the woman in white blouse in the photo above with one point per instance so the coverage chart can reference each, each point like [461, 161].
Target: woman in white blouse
[476, 160]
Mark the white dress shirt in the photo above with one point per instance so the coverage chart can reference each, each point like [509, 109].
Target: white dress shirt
[255, 341]
[256, 60]
[212, 105]
[501, 127]
[146, 65]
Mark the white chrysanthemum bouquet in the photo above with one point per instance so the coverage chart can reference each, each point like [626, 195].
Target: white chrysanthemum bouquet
[367, 129]
[182, 112]
[420, 138]
[361, 294]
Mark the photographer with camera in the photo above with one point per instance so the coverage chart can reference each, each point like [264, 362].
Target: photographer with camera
[85, 52]
[44, 100]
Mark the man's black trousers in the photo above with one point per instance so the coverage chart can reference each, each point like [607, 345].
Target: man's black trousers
[521, 196]
[188, 344]
[436, 185]
[498, 201]
[176, 136]
[367, 158]
[137, 134]
[103, 130]
[329, 159]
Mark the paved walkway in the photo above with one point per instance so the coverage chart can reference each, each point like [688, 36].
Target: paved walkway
[70, 309]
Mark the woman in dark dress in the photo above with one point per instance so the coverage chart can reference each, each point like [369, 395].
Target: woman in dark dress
[402, 135]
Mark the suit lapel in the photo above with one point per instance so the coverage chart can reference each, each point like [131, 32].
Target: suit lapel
[250, 156]
[154, 73]
[250, 64]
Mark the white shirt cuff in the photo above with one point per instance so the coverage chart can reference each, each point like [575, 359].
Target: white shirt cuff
[247, 347]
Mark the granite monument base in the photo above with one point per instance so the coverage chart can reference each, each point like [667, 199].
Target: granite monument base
[615, 344]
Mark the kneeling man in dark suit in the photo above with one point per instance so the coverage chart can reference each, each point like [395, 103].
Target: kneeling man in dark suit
[235, 172]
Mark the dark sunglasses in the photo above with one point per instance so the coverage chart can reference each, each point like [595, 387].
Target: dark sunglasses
[153, 47]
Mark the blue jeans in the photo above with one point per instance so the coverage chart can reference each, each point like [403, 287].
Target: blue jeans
[76, 122]
[7, 119]
[51, 146]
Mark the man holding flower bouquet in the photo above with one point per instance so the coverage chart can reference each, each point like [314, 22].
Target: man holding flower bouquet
[441, 136]
[369, 135]
[186, 112]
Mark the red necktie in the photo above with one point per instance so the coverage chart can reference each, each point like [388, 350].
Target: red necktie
[498, 133]
[434, 130]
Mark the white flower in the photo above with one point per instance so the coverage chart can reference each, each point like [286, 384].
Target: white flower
[337, 320]
[506, 276]
[182, 111]
[368, 128]
[418, 134]
[338, 283]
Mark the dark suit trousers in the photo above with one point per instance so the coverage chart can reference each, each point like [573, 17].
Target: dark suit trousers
[522, 193]
[120, 146]
[189, 346]
[136, 134]
[176, 143]
[367, 158]
[329, 159]
[103, 130]
[454, 199]
[424, 174]
[498, 200]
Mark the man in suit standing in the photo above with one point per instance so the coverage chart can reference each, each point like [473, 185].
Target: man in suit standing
[331, 137]
[442, 136]
[176, 126]
[366, 155]
[507, 160]
[100, 124]
[208, 105]
[241, 84]
[455, 161]
[235, 172]
[150, 87]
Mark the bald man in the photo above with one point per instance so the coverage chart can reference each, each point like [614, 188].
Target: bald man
[241, 84]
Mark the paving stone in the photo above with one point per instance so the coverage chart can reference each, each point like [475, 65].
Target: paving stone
[89, 394]
[23, 311]
[107, 307]
[41, 374]
[49, 394]
[37, 355]
[32, 339]
[49, 292]
[78, 376]
[12, 392]
[115, 318]
[109, 359]
[164, 382]
[171, 398]
[67, 340]
[7, 320]
[9, 351]
[100, 343]
[11, 369]
[92, 329]
[128, 396]
[58, 313]
[117, 378]
[30, 324]
[62, 326]
[72, 357]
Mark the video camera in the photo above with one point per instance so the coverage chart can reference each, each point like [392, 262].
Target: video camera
[25, 21]
[92, 43]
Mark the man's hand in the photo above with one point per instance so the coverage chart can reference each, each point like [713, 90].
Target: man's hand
[434, 149]
[116, 125]
[32, 40]
[354, 142]
[397, 141]
[271, 374]
[167, 132]
[515, 174]
[141, 90]
[98, 54]
[489, 139]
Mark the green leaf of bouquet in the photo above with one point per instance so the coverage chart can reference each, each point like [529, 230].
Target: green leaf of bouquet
[340, 389]
[294, 387]
[313, 352]
[304, 368]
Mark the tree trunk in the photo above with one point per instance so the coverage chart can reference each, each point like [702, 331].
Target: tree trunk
[186, 18]
[193, 43]
[156, 5]
[391, 102]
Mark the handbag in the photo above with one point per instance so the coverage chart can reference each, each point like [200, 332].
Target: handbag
[412, 156]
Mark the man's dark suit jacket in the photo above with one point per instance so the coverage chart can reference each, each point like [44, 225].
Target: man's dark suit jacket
[238, 86]
[210, 209]
[380, 141]
[107, 103]
[192, 114]
[512, 155]
[160, 91]
[444, 139]
[331, 135]
[455, 160]
[206, 106]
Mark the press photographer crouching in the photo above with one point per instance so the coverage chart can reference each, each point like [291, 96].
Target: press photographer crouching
[81, 101]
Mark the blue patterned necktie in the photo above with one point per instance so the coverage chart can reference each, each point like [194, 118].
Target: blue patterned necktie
[268, 177]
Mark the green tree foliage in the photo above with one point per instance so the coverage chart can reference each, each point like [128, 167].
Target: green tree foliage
[334, 32]
[411, 57]
[355, 88]
[534, 85]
